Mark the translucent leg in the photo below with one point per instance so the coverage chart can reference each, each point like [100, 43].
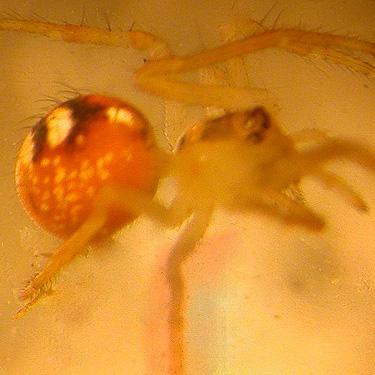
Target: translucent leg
[340, 186]
[234, 98]
[334, 149]
[184, 246]
[309, 162]
[152, 77]
[277, 206]
[37, 287]
[111, 195]
[234, 72]
[90, 35]
[288, 39]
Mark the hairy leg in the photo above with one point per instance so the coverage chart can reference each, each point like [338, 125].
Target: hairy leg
[157, 78]
[111, 195]
[154, 77]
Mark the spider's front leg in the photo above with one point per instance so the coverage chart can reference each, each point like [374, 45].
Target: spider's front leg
[158, 77]
[311, 161]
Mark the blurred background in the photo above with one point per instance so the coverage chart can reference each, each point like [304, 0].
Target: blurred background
[263, 298]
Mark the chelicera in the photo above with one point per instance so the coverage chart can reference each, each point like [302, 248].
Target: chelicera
[91, 165]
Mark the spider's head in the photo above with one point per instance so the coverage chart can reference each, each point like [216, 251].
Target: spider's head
[248, 126]
[256, 129]
[217, 157]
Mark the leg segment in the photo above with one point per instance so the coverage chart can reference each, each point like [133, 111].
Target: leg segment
[277, 206]
[311, 162]
[38, 286]
[341, 187]
[153, 77]
[184, 246]
[110, 196]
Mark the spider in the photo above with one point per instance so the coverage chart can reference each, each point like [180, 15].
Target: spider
[91, 165]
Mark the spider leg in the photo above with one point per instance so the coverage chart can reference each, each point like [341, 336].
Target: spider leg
[37, 287]
[278, 206]
[205, 95]
[139, 203]
[233, 72]
[154, 77]
[184, 246]
[111, 195]
[139, 40]
[329, 179]
[335, 148]
[310, 162]
[342, 187]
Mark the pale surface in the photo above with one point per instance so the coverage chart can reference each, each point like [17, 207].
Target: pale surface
[263, 299]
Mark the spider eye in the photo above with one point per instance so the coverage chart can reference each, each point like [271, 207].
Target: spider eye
[256, 125]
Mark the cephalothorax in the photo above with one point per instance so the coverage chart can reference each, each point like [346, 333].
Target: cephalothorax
[91, 165]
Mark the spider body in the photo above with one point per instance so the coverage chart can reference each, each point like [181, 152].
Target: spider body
[91, 165]
[219, 157]
[98, 153]
[73, 151]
